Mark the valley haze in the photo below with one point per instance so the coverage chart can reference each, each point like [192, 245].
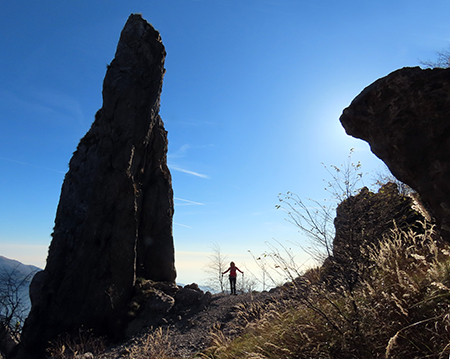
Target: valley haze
[251, 101]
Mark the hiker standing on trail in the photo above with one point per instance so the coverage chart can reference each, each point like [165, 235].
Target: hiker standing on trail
[232, 271]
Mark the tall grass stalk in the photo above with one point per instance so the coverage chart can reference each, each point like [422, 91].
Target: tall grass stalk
[400, 309]
[155, 345]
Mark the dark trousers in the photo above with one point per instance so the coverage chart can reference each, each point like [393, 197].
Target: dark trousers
[233, 285]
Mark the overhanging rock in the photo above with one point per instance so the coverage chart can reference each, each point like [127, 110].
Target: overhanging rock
[405, 117]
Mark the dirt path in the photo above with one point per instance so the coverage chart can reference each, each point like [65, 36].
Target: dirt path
[190, 333]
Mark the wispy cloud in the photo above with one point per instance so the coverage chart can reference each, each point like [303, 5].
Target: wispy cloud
[179, 169]
[31, 165]
[62, 105]
[192, 122]
[50, 105]
[182, 225]
[188, 202]
[182, 151]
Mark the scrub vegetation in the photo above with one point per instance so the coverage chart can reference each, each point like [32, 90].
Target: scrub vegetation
[382, 290]
[399, 309]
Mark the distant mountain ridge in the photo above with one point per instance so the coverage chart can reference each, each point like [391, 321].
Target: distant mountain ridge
[22, 274]
[7, 264]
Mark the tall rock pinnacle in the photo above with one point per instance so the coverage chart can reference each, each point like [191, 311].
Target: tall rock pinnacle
[114, 218]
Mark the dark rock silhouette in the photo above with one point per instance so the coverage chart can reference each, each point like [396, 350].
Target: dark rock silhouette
[114, 218]
[157, 304]
[8, 341]
[361, 222]
[405, 117]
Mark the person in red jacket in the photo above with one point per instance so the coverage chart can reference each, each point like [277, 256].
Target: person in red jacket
[232, 271]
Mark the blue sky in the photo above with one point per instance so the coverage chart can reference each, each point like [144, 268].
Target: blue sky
[251, 100]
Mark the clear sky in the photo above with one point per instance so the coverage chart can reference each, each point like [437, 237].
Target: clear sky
[251, 100]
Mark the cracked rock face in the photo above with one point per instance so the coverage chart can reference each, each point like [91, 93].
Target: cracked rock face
[405, 117]
[114, 218]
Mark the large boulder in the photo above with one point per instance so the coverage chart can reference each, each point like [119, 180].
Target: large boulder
[156, 307]
[405, 117]
[163, 303]
[362, 222]
[114, 218]
[364, 219]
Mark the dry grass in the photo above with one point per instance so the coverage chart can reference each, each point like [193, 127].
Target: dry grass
[155, 345]
[409, 295]
[68, 347]
[401, 310]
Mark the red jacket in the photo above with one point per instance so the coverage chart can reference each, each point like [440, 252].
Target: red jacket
[233, 271]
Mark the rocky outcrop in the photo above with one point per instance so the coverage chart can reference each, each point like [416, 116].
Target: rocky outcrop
[163, 303]
[114, 218]
[361, 222]
[405, 117]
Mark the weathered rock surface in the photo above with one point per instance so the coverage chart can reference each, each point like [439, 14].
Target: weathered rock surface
[114, 218]
[161, 303]
[405, 117]
[361, 222]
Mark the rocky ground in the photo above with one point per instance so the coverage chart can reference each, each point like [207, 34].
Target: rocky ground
[191, 333]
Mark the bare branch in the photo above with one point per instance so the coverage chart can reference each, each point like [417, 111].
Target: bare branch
[216, 266]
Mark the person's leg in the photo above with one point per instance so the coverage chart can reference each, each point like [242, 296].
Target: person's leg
[233, 291]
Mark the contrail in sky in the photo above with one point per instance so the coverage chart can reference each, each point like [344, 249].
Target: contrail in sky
[182, 225]
[189, 202]
[175, 168]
